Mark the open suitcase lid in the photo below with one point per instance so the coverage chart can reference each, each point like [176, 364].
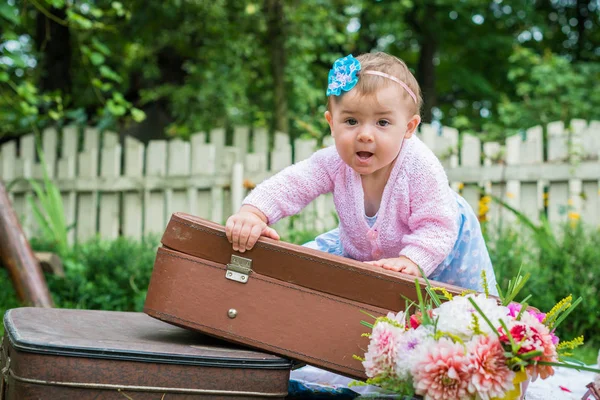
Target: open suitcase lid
[313, 269]
[125, 336]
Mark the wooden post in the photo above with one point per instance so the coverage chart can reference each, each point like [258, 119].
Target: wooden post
[16, 255]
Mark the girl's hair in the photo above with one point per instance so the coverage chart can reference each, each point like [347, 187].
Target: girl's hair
[383, 62]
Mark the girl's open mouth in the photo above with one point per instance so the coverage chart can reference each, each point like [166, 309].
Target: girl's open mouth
[364, 155]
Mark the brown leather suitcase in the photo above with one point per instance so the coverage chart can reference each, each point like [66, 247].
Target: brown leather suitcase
[279, 297]
[62, 354]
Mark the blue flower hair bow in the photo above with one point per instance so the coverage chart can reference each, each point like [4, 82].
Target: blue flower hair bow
[343, 75]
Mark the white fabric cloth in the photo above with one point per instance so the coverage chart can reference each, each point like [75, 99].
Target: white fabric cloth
[552, 388]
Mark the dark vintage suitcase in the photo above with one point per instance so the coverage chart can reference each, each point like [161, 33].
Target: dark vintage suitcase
[279, 297]
[62, 354]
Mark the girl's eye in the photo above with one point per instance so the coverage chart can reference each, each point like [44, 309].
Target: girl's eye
[351, 121]
[383, 122]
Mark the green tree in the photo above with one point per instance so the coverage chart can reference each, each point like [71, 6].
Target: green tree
[548, 88]
[42, 45]
[192, 66]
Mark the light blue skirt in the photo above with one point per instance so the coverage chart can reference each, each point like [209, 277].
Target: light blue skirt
[462, 267]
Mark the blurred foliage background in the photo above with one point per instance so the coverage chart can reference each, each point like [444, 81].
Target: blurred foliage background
[174, 67]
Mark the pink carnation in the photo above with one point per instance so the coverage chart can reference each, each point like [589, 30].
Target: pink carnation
[490, 376]
[549, 354]
[443, 373]
[380, 357]
[532, 335]
[515, 308]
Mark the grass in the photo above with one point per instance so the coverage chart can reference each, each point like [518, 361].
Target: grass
[8, 296]
[588, 354]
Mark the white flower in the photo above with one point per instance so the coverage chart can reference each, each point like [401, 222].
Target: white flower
[456, 316]
[409, 348]
[400, 318]
[381, 354]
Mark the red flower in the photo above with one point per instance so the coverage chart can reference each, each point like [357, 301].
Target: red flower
[527, 336]
[417, 318]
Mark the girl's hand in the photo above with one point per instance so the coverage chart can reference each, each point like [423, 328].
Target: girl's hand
[400, 264]
[245, 227]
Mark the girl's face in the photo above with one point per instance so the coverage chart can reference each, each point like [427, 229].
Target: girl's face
[369, 130]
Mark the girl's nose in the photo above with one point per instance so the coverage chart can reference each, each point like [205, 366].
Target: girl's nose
[365, 135]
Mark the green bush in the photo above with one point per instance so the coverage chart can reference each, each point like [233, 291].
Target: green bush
[567, 263]
[99, 275]
[299, 236]
[8, 296]
[105, 275]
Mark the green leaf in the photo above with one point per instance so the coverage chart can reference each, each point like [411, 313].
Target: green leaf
[566, 313]
[38, 191]
[10, 36]
[97, 58]
[368, 314]
[115, 109]
[108, 73]
[429, 289]
[28, 109]
[138, 115]
[9, 13]
[80, 20]
[530, 354]
[485, 317]
[18, 60]
[54, 115]
[571, 360]
[118, 7]
[49, 209]
[422, 305]
[39, 217]
[101, 47]
[4, 77]
[566, 365]
[97, 12]
[57, 3]
[367, 324]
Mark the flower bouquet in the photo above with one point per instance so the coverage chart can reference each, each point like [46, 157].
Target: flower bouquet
[471, 346]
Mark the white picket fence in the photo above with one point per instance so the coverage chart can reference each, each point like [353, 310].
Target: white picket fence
[111, 189]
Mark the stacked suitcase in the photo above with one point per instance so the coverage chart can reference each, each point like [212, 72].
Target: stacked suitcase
[64, 354]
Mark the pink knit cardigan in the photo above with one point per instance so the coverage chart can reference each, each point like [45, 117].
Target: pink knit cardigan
[417, 218]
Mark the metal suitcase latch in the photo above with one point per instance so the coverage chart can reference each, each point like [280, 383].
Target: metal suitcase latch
[239, 269]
